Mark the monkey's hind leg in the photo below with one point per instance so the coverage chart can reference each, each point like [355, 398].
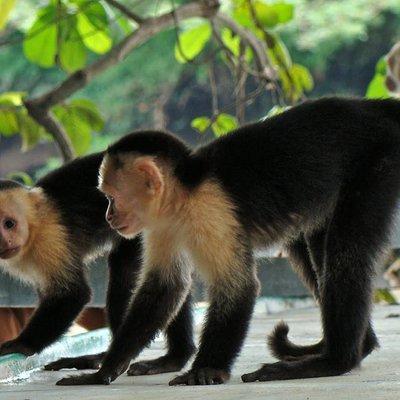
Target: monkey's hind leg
[356, 235]
[180, 346]
[306, 257]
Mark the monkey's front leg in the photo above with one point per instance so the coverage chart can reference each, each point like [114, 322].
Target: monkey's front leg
[158, 298]
[226, 326]
[56, 312]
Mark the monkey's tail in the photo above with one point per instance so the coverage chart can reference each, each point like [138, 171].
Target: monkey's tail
[282, 348]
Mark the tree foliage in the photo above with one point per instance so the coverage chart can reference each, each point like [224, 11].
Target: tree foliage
[69, 34]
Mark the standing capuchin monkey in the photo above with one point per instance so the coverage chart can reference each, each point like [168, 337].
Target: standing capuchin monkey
[47, 234]
[322, 178]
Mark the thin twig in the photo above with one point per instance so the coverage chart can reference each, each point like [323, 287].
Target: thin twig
[214, 91]
[126, 11]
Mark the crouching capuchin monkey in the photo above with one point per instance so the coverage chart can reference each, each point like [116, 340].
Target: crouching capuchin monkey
[322, 178]
[47, 234]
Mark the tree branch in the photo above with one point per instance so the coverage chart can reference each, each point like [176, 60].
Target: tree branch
[266, 71]
[45, 118]
[124, 10]
[39, 107]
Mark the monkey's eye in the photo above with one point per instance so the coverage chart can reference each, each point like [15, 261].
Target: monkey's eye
[9, 223]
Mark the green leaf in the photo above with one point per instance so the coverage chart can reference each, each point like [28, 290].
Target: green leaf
[20, 176]
[285, 12]
[126, 25]
[80, 117]
[279, 54]
[192, 42]
[377, 88]
[29, 130]
[201, 124]
[95, 12]
[232, 42]
[8, 122]
[12, 98]
[88, 112]
[266, 14]
[72, 54]
[6, 7]
[96, 39]
[224, 124]
[39, 44]
[380, 67]
[302, 77]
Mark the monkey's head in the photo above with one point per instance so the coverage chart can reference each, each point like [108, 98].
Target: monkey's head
[14, 225]
[135, 176]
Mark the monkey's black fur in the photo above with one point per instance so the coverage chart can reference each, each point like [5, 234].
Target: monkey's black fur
[325, 174]
[72, 189]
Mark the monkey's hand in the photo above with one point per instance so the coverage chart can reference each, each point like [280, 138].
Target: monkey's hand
[92, 361]
[97, 378]
[201, 376]
[15, 346]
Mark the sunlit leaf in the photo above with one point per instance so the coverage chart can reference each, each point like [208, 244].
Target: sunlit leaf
[302, 76]
[95, 12]
[12, 98]
[201, 124]
[266, 14]
[6, 7]
[223, 124]
[285, 12]
[95, 39]
[380, 67]
[8, 121]
[232, 42]
[40, 43]
[72, 54]
[192, 42]
[377, 88]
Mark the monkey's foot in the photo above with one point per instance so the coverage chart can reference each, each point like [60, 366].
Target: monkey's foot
[311, 367]
[14, 346]
[159, 365]
[201, 376]
[86, 379]
[92, 361]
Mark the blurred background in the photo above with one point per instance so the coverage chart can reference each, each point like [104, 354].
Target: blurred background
[77, 74]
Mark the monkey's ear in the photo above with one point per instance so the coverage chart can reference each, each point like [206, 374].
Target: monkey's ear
[153, 177]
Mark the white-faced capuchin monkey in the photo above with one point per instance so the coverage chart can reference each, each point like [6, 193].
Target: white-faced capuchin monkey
[47, 234]
[323, 178]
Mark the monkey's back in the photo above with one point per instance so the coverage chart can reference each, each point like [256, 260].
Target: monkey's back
[299, 160]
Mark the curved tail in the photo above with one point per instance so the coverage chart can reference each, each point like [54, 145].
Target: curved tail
[282, 348]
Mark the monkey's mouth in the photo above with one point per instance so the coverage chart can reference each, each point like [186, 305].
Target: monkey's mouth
[121, 228]
[8, 253]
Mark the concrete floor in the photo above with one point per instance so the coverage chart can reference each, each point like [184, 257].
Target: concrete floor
[379, 377]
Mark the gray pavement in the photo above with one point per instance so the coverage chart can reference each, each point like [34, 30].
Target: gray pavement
[378, 378]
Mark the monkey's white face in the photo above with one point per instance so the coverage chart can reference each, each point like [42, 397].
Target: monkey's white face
[129, 197]
[14, 228]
